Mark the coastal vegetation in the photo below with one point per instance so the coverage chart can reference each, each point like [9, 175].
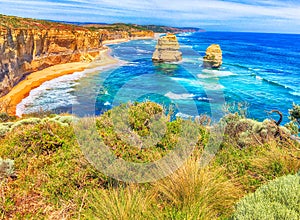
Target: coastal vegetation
[251, 172]
[45, 175]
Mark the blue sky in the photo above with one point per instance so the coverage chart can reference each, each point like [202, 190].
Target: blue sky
[219, 15]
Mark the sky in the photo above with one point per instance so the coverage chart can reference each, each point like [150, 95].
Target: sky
[274, 16]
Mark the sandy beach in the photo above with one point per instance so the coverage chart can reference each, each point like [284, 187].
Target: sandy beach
[35, 79]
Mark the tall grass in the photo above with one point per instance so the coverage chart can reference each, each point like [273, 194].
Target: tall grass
[197, 193]
[121, 203]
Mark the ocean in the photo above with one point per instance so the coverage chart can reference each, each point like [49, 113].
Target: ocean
[259, 71]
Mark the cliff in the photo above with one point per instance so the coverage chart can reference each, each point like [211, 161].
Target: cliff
[28, 45]
[167, 50]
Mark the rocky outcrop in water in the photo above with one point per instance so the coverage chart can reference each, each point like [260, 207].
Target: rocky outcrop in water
[213, 57]
[167, 50]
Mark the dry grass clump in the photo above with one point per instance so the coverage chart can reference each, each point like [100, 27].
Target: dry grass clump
[194, 192]
[126, 203]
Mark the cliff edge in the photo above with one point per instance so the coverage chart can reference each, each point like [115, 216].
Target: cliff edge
[29, 45]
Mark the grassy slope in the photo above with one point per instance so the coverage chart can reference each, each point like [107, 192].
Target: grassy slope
[24, 23]
[54, 180]
[18, 22]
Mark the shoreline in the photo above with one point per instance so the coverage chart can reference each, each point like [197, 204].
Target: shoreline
[35, 79]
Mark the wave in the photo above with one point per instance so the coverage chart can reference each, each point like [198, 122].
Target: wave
[188, 81]
[55, 93]
[147, 42]
[186, 46]
[274, 83]
[183, 116]
[144, 51]
[258, 78]
[107, 103]
[185, 34]
[212, 86]
[205, 99]
[214, 73]
[175, 96]
[295, 93]
[238, 65]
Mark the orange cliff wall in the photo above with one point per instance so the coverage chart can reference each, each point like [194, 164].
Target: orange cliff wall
[23, 51]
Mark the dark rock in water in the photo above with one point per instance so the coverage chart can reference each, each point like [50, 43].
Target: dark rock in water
[167, 50]
[213, 57]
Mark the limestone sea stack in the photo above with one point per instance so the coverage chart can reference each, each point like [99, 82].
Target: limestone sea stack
[213, 57]
[167, 50]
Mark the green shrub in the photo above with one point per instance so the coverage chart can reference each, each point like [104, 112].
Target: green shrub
[279, 199]
[141, 132]
[26, 121]
[58, 119]
[62, 120]
[41, 138]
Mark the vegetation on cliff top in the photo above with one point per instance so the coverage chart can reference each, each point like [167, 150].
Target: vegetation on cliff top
[29, 23]
[7, 21]
[44, 173]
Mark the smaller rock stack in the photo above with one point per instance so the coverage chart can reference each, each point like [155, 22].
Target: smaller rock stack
[167, 50]
[213, 57]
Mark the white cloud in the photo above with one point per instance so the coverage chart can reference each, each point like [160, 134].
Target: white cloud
[190, 12]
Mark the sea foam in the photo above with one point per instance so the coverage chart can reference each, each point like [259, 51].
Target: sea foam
[175, 96]
[55, 93]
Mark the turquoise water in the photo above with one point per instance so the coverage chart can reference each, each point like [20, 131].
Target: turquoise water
[262, 70]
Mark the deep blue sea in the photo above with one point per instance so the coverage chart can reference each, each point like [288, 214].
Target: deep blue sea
[262, 71]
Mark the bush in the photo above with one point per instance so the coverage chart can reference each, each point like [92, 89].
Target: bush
[36, 139]
[246, 132]
[295, 117]
[279, 199]
[58, 119]
[141, 132]
[26, 121]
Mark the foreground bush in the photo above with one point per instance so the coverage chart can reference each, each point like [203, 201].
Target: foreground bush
[52, 179]
[142, 132]
[278, 199]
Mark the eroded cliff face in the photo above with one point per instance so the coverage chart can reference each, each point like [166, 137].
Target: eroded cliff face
[213, 57]
[167, 49]
[23, 51]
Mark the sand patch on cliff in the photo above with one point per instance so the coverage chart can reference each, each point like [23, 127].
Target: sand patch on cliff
[35, 79]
